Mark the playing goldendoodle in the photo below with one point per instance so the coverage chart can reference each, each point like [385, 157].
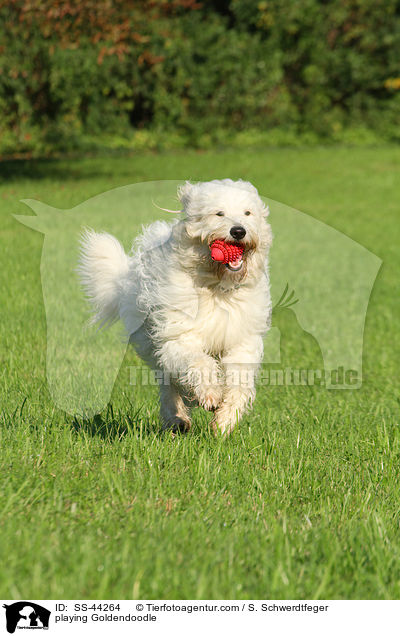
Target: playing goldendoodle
[194, 298]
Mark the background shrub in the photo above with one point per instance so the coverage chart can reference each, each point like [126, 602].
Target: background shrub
[78, 73]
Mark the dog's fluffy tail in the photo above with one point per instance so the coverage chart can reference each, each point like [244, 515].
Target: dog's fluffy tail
[103, 270]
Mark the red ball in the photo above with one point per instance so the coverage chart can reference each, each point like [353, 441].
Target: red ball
[225, 252]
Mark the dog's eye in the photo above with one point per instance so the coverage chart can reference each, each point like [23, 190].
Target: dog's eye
[220, 213]
[247, 213]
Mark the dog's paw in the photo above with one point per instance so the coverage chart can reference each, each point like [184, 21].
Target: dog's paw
[209, 397]
[223, 425]
[177, 425]
[205, 383]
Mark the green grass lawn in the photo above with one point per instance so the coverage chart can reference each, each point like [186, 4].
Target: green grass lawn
[302, 501]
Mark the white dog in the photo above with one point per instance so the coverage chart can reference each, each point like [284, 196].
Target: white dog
[198, 321]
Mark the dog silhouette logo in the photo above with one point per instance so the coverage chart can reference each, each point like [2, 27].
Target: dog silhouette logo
[321, 282]
[26, 615]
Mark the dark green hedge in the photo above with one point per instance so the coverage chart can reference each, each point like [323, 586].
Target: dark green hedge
[199, 73]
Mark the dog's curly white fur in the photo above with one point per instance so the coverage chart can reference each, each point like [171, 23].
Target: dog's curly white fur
[198, 321]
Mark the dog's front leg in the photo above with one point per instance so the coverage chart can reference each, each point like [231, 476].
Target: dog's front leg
[198, 372]
[240, 365]
[174, 412]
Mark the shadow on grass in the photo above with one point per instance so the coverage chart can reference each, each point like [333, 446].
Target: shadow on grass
[110, 427]
[62, 168]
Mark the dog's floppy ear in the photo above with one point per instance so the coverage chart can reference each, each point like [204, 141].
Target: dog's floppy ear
[185, 193]
[265, 211]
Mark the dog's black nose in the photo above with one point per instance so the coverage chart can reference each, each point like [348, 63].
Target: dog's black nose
[238, 232]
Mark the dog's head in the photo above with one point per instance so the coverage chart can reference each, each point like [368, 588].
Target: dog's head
[233, 212]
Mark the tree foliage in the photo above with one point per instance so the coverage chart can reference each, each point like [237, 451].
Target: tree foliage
[72, 69]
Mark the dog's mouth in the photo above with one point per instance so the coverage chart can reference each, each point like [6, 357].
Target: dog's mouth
[230, 255]
[235, 266]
